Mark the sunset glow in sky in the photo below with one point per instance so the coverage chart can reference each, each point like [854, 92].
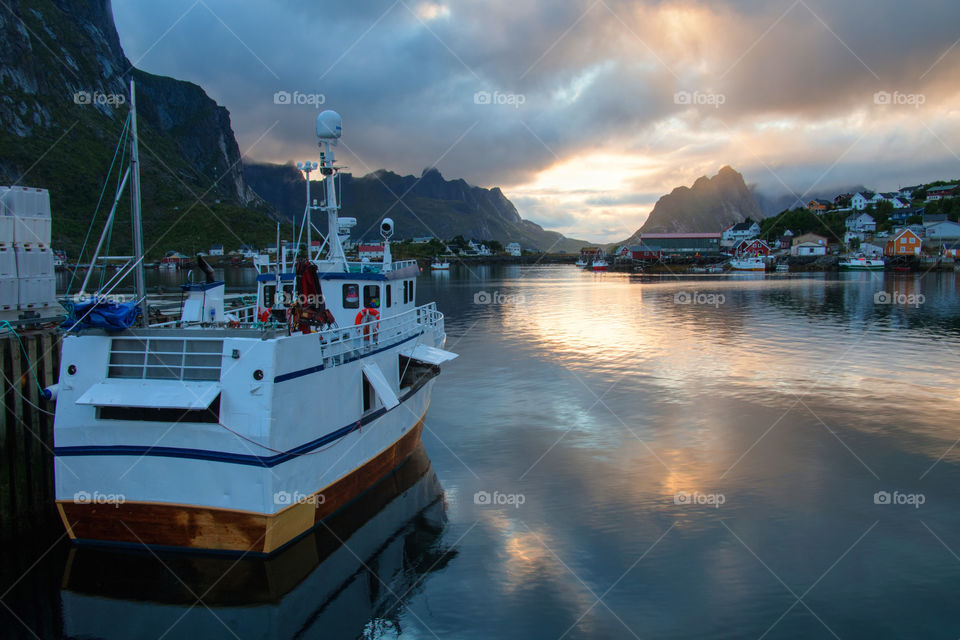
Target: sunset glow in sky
[584, 113]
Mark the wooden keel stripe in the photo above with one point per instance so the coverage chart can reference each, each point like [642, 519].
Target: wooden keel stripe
[208, 528]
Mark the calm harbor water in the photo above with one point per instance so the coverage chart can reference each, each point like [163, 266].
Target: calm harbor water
[611, 456]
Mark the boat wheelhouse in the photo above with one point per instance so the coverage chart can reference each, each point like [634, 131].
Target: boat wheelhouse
[240, 429]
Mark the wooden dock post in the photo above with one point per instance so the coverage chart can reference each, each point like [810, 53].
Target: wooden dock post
[26, 431]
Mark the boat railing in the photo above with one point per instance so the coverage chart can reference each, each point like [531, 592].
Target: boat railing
[340, 343]
[377, 267]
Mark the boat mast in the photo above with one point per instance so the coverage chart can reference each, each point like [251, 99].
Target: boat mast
[135, 215]
[307, 167]
[328, 132]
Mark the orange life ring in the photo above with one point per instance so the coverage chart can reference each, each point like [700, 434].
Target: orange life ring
[370, 319]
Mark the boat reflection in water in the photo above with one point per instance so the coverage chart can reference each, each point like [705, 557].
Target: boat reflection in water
[345, 579]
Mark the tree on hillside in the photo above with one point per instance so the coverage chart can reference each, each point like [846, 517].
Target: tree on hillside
[458, 242]
[495, 246]
[883, 212]
[800, 221]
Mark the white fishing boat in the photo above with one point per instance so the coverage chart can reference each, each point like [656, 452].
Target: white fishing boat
[748, 263]
[440, 265]
[240, 432]
[330, 583]
[582, 263]
[861, 262]
[599, 263]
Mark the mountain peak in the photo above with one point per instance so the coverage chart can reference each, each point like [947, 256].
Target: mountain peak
[710, 205]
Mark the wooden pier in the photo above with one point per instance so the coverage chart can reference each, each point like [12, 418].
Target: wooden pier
[26, 431]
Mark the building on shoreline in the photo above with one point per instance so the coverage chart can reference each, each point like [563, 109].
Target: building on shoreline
[683, 244]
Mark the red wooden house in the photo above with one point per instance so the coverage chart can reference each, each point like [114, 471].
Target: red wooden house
[644, 252]
[755, 247]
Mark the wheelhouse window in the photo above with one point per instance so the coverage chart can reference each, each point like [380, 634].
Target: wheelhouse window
[389, 289]
[371, 293]
[351, 296]
[269, 295]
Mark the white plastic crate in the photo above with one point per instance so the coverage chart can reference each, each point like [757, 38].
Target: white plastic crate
[6, 231]
[37, 292]
[25, 202]
[31, 231]
[33, 262]
[8, 262]
[9, 293]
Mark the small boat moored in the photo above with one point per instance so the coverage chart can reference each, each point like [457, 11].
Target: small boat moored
[860, 262]
[748, 263]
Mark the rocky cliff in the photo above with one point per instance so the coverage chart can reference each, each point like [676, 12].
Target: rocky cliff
[65, 88]
[710, 205]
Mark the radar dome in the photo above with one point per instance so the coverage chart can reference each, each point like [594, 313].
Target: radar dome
[328, 125]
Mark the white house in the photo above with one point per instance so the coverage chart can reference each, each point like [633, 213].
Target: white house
[861, 223]
[808, 249]
[861, 199]
[870, 250]
[894, 198]
[216, 250]
[944, 230]
[733, 234]
[514, 249]
[907, 192]
[484, 250]
[247, 251]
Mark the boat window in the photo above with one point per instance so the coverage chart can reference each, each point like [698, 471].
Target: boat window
[351, 296]
[406, 291]
[210, 415]
[389, 295]
[371, 292]
[413, 296]
[269, 295]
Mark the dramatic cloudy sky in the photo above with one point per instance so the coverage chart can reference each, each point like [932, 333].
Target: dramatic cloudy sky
[596, 107]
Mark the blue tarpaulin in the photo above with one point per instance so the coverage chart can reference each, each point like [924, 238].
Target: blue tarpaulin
[102, 314]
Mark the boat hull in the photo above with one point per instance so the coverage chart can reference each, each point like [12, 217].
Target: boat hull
[202, 528]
